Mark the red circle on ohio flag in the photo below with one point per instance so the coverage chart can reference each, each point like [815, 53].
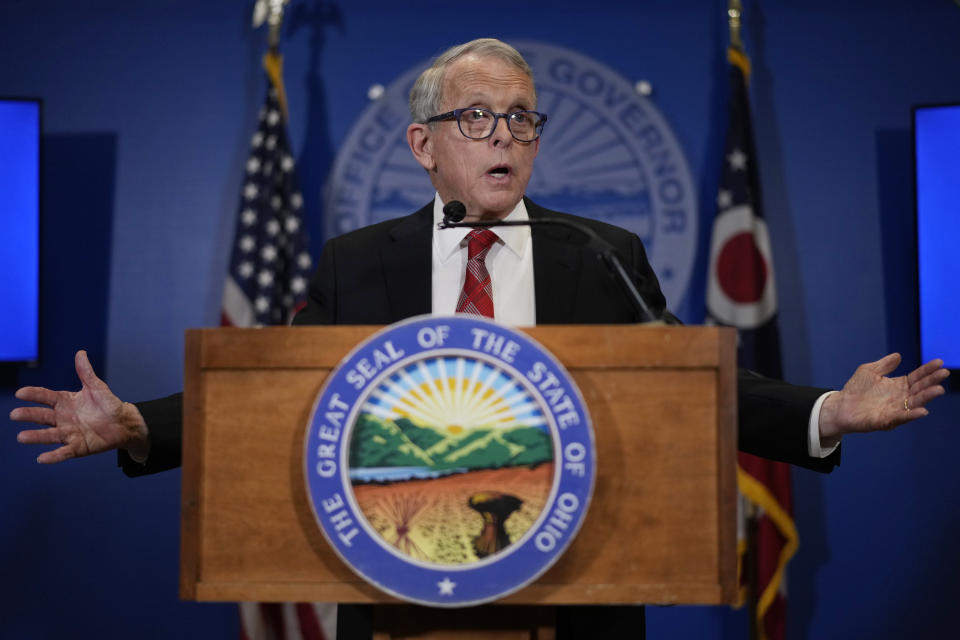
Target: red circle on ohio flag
[740, 287]
[742, 269]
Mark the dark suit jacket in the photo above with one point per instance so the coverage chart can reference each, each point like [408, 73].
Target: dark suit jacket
[381, 274]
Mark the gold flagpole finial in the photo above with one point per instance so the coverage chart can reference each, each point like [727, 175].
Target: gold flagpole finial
[271, 12]
[734, 10]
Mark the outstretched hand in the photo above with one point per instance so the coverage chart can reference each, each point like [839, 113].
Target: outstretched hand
[871, 401]
[83, 422]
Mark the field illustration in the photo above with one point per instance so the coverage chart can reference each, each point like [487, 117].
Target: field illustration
[451, 460]
[432, 520]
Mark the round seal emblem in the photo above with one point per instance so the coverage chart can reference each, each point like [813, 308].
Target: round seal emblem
[606, 153]
[449, 460]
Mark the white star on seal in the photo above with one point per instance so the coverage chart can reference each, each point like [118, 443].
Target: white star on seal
[446, 586]
[737, 160]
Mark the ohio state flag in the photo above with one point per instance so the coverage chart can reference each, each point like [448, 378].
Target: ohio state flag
[741, 293]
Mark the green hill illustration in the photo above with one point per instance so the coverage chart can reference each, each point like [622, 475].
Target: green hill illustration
[378, 442]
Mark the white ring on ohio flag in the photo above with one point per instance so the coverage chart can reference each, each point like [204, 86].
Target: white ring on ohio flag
[745, 315]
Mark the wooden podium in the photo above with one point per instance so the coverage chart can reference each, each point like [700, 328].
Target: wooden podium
[660, 528]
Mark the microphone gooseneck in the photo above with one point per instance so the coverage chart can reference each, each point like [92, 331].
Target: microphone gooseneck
[455, 211]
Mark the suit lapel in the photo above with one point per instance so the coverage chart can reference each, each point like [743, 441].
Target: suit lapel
[556, 263]
[406, 261]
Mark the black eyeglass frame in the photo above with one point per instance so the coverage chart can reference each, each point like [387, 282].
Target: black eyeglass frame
[456, 113]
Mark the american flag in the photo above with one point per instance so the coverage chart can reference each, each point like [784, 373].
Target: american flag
[270, 263]
[741, 293]
[266, 285]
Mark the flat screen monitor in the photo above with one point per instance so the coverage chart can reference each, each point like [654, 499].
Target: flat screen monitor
[19, 229]
[937, 160]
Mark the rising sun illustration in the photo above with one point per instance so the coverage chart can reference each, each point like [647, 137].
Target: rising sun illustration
[456, 394]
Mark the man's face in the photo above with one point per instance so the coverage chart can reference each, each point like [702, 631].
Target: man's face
[489, 176]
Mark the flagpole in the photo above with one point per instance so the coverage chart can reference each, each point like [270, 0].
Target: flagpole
[275, 20]
[750, 559]
[271, 12]
[734, 9]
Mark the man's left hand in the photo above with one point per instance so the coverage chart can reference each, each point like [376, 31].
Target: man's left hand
[871, 401]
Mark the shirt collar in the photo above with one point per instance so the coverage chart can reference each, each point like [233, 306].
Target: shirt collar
[448, 241]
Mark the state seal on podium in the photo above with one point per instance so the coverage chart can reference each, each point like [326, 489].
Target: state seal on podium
[449, 461]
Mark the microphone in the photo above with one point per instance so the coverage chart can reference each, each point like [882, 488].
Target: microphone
[455, 211]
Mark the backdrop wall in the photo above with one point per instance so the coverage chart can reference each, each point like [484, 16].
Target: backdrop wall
[148, 109]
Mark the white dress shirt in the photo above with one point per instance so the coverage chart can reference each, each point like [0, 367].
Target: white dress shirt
[510, 264]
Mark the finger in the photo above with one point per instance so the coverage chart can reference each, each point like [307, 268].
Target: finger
[40, 436]
[38, 415]
[921, 399]
[907, 416]
[930, 380]
[57, 455]
[925, 370]
[886, 364]
[37, 394]
[85, 371]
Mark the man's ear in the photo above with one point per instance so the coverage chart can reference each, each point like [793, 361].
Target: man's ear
[420, 140]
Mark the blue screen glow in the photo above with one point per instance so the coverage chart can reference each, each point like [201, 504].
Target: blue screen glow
[937, 143]
[19, 228]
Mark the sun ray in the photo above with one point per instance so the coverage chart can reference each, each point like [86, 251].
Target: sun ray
[453, 395]
[380, 411]
[484, 390]
[409, 411]
[443, 379]
[400, 403]
[458, 385]
[430, 386]
[413, 386]
[495, 398]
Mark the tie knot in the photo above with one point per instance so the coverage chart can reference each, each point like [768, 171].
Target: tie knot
[479, 241]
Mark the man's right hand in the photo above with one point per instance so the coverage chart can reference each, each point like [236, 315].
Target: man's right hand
[92, 420]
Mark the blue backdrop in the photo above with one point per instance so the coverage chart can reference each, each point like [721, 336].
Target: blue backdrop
[149, 107]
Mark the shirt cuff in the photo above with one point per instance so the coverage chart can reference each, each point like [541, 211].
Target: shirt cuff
[814, 446]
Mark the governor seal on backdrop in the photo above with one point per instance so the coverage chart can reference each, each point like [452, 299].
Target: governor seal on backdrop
[449, 461]
[606, 153]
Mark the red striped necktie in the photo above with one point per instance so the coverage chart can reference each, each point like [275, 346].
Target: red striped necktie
[477, 295]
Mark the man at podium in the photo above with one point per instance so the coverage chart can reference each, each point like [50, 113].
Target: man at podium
[476, 132]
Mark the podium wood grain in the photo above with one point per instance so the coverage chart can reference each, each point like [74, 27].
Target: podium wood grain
[660, 528]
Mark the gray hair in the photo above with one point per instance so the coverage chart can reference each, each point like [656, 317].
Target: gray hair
[426, 96]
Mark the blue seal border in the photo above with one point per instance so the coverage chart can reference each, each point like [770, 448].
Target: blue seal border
[330, 493]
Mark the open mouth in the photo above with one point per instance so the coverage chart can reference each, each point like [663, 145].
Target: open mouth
[499, 172]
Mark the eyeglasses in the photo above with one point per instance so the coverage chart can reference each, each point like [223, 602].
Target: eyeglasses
[479, 124]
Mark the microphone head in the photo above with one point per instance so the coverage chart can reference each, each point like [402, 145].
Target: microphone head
[454, 211]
